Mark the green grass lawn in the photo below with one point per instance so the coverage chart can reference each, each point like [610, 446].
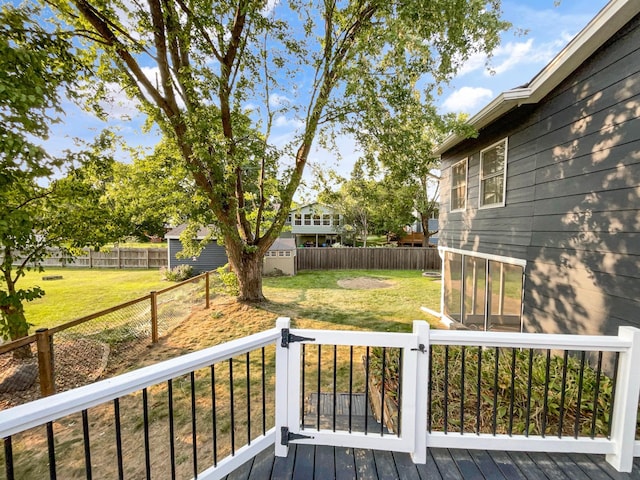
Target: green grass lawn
[316, 295]
[84, 291]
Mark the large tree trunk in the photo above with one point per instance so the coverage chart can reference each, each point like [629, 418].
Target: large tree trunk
[248, 269]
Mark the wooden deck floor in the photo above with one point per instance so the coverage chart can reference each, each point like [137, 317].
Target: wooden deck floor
[307, 462]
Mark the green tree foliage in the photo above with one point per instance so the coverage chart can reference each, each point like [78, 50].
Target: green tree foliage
[36, 211]
[219, 72]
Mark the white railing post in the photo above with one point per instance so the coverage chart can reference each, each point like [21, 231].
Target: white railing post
[421, 329]
[282, 388]
[625, 407]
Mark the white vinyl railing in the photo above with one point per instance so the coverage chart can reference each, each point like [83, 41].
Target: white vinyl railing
[619, 448]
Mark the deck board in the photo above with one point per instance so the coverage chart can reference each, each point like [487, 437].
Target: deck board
[326, 463]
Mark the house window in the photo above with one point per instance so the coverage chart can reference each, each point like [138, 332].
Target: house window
[459, 185]
[326, 219]
[493, 162]
[336, 220]
[298, 219]
[316, 219]
[483, 292]
[307, 219]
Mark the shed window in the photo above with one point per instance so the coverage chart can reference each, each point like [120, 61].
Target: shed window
[459, 185]
[493, 161]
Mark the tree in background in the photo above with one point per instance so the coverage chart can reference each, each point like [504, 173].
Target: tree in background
[214, 75]
[398, 143]
[37, 212]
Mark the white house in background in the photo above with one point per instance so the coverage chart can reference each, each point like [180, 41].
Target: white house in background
[315, 225]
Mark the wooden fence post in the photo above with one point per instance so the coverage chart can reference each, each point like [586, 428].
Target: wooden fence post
[206, 288]
[154, 317]
[45, 362]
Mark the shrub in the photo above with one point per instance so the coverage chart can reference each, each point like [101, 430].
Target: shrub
[178, 274]
[228, 280]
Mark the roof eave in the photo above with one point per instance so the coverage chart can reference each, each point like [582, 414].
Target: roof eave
[609, 20]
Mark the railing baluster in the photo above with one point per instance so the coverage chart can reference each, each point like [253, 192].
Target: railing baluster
[513, 390]
[231, 407]
[335, 376]
[302, 385]
[399, 391]
[563, 392]
[194, 431]
[529, 382]
[264, 396]
[430, 387]
[8, 458]
[52, 451]
[172, 444]
[384, 367]
[545, 409]
[248, 401]
[462, 371]
[366, 392]
[478, 391]
[351, 385]
[214, 415]
[596, 395]
[145, 417]
[116, 414]
[87, 444]
[446, 388]
[495, 391]
[613, 393]
[576, 426]
[319, 387]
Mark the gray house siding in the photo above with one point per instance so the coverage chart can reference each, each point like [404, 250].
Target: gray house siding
[212, 257]
[572, 198]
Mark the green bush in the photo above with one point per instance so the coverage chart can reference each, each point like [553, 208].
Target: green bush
[228, 280]
[178, 274]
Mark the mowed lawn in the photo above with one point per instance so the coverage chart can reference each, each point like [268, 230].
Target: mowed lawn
[311, 295]
[82, 291]
[318, 295]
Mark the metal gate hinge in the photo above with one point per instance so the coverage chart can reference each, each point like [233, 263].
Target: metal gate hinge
[421, 348]
[288, 338]
[286, 436]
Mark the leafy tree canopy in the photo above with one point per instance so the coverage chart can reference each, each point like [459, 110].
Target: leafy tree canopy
[215, 76]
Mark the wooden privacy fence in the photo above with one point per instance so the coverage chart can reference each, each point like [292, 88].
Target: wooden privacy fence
[392, 258]
[113, 258]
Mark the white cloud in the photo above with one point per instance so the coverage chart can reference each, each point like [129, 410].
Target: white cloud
[512, 54]
[466, 99]
[282, 121]
[277, 100]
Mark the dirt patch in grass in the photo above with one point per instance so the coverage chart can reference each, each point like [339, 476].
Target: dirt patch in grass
[364, 283]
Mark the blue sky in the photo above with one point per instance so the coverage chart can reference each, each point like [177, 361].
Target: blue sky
[516, 61]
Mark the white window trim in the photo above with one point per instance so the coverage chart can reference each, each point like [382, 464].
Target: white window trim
[505, 140]
[466, 185]
[447, 320]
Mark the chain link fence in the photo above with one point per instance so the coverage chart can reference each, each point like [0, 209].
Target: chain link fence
[96, 346]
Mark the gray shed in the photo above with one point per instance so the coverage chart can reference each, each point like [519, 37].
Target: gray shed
[212, 256]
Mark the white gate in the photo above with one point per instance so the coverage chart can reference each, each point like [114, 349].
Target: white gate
[413, 399]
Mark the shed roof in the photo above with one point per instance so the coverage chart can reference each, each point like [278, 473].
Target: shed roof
[283, 244]
[174, 234]
[604, 25]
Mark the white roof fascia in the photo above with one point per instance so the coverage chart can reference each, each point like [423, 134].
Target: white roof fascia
[609, 20]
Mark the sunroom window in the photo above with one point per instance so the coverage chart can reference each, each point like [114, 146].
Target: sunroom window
[493, 161]
[459, 185]
[483, 292]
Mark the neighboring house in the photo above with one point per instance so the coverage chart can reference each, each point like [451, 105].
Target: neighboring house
[540, 214]
[211, 257]
[433, 227]
[281, 257]
[315, 225]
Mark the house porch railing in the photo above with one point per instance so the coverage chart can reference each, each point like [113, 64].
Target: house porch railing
[205, 413]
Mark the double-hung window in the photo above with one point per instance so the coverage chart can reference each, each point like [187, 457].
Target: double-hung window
[459, 185]
[493, 170]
